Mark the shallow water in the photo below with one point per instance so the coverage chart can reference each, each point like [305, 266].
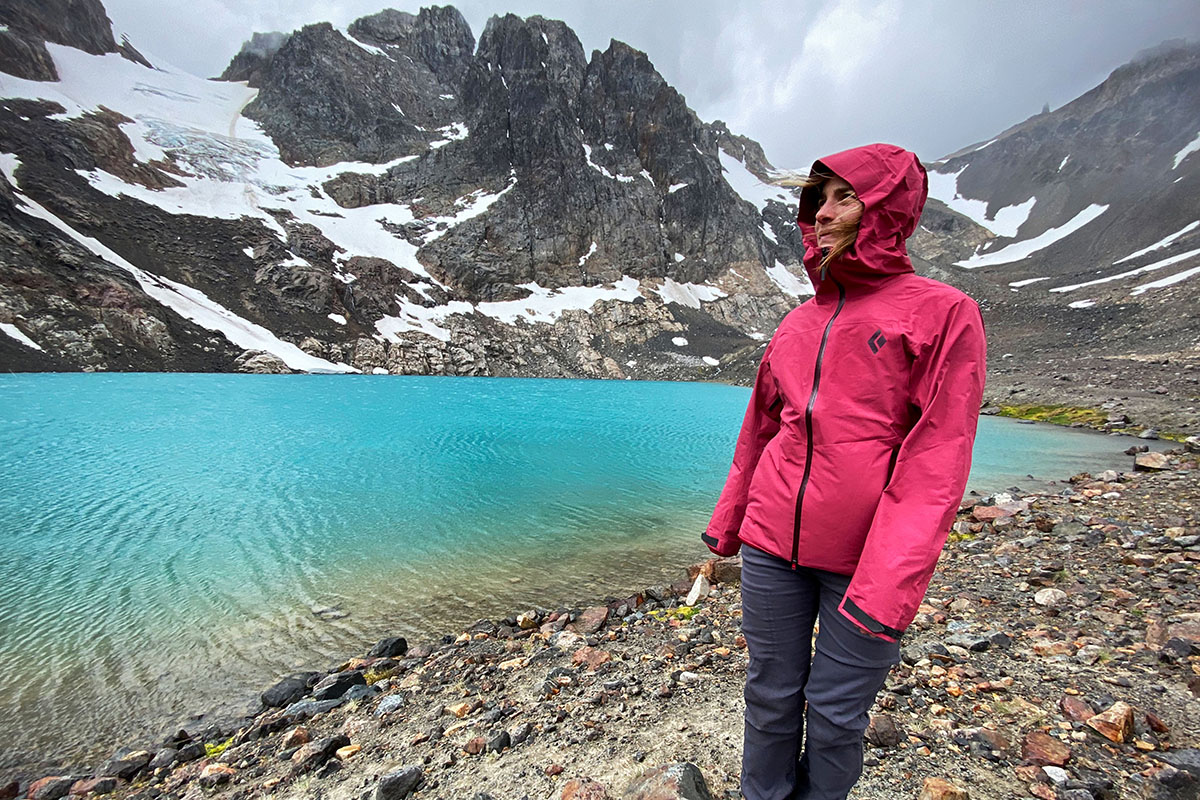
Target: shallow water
[173, 543]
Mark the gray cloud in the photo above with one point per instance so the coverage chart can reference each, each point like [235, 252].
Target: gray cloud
[804, 79]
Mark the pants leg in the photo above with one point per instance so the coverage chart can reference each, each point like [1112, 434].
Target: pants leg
[848, 670]
[779, 609]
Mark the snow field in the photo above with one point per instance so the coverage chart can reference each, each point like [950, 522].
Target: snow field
[1021, 250]
[1006, 222]
[1166, 262]
[15, 332]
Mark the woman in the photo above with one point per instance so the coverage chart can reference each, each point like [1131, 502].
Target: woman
[850, 465]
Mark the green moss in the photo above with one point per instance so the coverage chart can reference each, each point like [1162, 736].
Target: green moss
[374, 676]
[682, 612]
[212, 750]
[1058, 415]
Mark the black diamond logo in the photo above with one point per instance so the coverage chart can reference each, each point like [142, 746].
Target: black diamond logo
[877, 341]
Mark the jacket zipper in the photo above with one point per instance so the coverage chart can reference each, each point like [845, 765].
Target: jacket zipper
[808, 413]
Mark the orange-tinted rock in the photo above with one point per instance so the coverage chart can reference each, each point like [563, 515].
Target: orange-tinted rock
[94, 786]
[216, 774]
[1156, 724]
[295, 737]
[988, 513]
[591, 656]
[476, 745]
[583, 789]
[590, 620]
[1114, 723]
[939, 789]
[1043, 749]
[554, 769]
[1043, 790]
[1075, 709]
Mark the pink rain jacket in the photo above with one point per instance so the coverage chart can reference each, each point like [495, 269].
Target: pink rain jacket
[854, 453]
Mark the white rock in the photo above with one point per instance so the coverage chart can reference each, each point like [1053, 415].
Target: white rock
[1050, 597]
[1057, 775]
[700, 590]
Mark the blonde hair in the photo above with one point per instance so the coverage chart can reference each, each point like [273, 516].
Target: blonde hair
[847, 231]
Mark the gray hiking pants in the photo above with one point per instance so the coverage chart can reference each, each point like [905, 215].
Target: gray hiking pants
[838, 681]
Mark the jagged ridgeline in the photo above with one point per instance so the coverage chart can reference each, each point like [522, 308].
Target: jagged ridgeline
[394, 196]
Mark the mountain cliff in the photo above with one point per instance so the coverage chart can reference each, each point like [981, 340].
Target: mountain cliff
[391, 197]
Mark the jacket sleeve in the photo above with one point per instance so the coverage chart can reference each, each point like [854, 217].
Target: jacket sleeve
[918, 505]
[761, 423]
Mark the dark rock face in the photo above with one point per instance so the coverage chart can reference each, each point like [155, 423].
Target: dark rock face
[26, 57]
[327, 98]
[81, 24]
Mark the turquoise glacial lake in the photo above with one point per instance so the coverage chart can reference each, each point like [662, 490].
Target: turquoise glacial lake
[172, 544]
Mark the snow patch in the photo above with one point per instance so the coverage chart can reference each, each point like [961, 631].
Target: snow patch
[770, 234]
[455, 131]
[1166, 262]
[788, 282]
[380, 371]
[1026, 282]
[591, 251]
[679, 341]
[1167, 281]
[418, 318]
[546, 305]
[472, 205]
[1082, 304]
[748, 186]
[1005, 222]
[1021, 250]
[679, 257]
[712, 362]
[1187, 150]
[675, 187]
[338, 318]
[194, 305]
[15, 333]
[687, 294]
[1064, 162]
[1191, 226]
[587, 152]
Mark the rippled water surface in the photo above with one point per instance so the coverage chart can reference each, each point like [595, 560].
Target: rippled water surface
[170, 544]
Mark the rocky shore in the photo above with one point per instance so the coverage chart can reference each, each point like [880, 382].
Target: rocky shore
[1057, 655]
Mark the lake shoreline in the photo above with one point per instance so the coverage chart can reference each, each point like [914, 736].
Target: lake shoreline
[604, 693]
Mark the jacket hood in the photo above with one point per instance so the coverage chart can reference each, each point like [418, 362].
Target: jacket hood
[892, 186]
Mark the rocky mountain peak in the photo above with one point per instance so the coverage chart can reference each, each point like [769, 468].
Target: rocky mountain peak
[82, 24]
[438, 37]
[256, 52]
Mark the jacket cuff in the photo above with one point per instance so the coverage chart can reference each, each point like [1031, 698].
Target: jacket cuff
[862, 619]
[726, 548]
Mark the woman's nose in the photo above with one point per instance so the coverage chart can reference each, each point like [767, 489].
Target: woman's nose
[825, 212]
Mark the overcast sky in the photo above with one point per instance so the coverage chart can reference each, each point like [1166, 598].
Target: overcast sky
[805, 78]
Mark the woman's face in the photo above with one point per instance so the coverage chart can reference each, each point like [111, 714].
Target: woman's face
[838, 212]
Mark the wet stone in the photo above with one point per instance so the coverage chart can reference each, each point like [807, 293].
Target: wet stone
[391, 647]
[289, 690]
[334, 686]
